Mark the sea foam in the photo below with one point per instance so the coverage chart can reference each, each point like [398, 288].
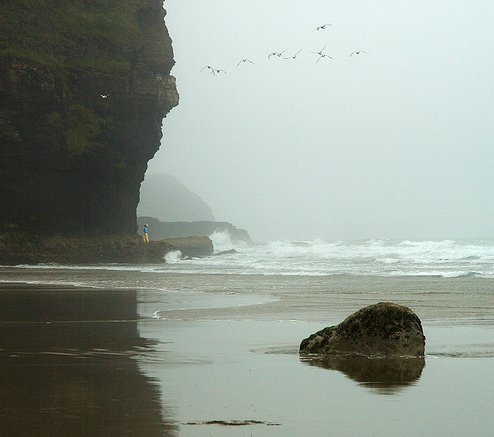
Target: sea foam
[388, 258]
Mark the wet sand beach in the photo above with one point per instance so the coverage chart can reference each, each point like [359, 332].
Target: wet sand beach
[215, 355]
[67, 364]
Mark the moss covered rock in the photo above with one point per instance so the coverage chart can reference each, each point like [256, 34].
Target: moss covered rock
[384, 329]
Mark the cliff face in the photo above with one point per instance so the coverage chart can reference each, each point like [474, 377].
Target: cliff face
[84, 87]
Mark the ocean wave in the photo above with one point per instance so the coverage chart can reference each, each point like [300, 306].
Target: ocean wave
[173, 257]
[386, 258]
[471, 275]
[222, 241]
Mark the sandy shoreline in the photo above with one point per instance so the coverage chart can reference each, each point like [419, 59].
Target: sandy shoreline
[233, 368]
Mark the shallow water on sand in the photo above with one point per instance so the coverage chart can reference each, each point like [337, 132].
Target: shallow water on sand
[199, 355]
[218, 377]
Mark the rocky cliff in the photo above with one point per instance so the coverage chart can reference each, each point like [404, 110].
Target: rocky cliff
[84, 87]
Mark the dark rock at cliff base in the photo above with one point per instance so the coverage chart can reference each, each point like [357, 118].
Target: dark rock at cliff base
[381, 330]
[84, 87]
[126, 249]
[27, 249]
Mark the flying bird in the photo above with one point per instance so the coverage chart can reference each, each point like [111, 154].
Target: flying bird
[244, 61]
[323, 56]
[104, 96]
[320, 52]
[279, 54]
[323, 26]
[211, 69]
[294, 56]
[358, 52]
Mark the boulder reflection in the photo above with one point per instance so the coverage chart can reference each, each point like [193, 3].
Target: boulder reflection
[69, 365]
[383, 375]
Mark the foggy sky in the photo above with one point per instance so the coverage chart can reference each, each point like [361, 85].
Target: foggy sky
[396, 143]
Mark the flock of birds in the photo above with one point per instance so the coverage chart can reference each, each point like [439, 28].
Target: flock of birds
[320, 55]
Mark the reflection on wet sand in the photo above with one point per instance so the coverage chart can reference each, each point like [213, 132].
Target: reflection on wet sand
[68, 365]
[383, 375]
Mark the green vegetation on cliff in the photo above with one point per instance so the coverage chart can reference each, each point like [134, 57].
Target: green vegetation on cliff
[83, 128]
[73, 33]
[79, 129]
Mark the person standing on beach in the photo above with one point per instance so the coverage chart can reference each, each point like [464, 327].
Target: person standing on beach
[145, 235]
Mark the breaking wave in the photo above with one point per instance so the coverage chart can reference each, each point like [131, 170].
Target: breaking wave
[447, 258]
[388, 258]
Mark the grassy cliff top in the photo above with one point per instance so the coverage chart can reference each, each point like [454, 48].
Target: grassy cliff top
[76, 33]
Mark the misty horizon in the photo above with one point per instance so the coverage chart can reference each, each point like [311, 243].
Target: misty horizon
[392, 143]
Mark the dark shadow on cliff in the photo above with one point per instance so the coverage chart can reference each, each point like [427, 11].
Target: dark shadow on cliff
[382, 375]
[70, 365]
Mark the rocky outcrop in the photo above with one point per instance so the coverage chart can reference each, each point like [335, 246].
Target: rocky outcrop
[381, 330]
[84, 87]
[90, 250]
[162, 230]
[81, 250]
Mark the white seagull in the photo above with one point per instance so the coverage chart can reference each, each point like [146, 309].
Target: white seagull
[211, 69]
[320, 52]
[244, 61]
[294, 56]
[358, 52]
[279, 54]
[323, 56]
[323, 26]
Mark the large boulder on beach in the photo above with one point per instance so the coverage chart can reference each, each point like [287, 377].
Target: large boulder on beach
[381, 330]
